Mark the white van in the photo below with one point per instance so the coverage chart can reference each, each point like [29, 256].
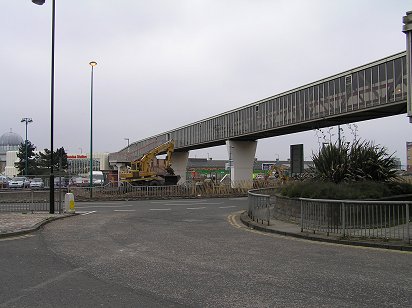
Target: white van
[98, 178]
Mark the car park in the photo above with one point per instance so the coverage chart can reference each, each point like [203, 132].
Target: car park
[19, 182]
[37, 183]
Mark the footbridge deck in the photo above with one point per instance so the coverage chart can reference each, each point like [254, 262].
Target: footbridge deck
[374, 90]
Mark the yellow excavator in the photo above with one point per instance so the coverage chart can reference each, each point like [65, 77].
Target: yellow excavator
[277, 173]
[150, 171]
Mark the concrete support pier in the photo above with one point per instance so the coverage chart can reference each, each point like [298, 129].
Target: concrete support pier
[179, 164]
[241, 159]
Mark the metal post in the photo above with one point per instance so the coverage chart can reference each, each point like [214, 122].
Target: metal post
[301, 215]
[343, 218]
[60, 184]
[408, 237]
[92, 64]
[407, 29]
[26, 165]
[339, 138]
[52, 111]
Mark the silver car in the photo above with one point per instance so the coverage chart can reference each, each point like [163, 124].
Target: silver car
[19, 182]
[36, 183]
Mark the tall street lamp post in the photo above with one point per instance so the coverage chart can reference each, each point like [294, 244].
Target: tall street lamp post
[26, 167]
[41, 2]
[92, 64]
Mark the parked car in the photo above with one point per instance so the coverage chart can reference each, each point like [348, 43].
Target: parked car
[79, 181]
[4, 181]
[37, 183]
[19, 182]
[60, 182]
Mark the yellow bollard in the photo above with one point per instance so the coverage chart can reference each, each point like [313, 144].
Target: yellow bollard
[69, 203]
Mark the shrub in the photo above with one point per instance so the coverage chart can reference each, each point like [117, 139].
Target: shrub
[362, 161]
[345, 190]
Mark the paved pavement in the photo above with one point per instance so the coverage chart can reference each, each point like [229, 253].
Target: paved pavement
[20, 223]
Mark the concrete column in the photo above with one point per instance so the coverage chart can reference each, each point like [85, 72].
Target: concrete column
[407, 29]
[119, 167]
[179, 164]
[241, 159]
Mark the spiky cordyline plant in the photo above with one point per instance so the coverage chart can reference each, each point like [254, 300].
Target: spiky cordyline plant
[361, 161]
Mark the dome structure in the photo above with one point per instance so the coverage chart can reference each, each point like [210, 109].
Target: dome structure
[10, 142]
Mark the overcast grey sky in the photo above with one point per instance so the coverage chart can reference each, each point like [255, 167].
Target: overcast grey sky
[164, 64]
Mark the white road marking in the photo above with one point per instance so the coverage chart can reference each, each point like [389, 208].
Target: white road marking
[195, 208]
[87, 213]
[227, 207]
[160, 209]
[192, 203]
[124, 210]
[105, 206]
[179, 201]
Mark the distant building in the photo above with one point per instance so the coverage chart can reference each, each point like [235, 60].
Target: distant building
[409, 156]
[8, 142]
[78, 164]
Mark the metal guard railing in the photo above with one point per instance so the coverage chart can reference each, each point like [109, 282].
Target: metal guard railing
[346, 218]
[31, 200]
[365, 219]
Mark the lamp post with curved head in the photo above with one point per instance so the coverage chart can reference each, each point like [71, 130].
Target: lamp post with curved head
[26, 167]
[41, 2]
[92, 64]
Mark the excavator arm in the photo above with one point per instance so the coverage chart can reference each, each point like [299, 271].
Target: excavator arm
[141, 170]
[144, 163]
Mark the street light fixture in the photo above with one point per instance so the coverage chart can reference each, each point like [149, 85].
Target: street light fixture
[92, 64]
[27, 121]
[41, 2]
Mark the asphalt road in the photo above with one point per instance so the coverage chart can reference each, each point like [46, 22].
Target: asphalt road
[190, 253]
